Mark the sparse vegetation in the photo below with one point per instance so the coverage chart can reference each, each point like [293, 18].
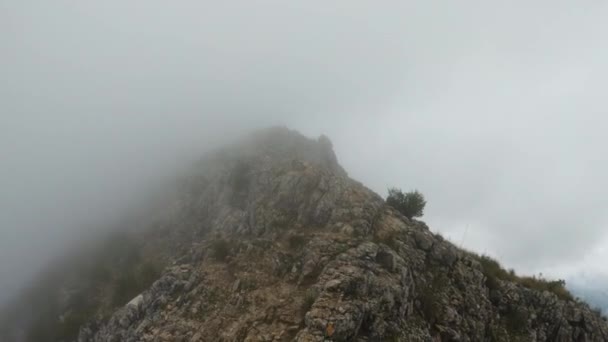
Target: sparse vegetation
[239, 179]
[248, 284]
[210, 296]
[430, 297]
[516, 321]
[73, 320]
[213, 295]
[410, 204]
[240, 176]
[297, 241]
[351, 288]
[220, 249]
[389, 239]
[132, 282]
[309, 299]
[495, 273]
[557, 287]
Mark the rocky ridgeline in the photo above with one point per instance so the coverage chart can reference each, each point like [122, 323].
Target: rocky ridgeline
[283, 246]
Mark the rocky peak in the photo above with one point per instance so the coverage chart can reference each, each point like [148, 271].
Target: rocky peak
[278, 145]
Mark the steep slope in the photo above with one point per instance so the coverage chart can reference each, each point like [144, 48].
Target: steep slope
[269, 240]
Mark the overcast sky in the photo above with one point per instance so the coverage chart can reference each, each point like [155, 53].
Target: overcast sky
[496, 111]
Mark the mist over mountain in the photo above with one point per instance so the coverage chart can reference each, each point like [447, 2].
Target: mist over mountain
[496, 112]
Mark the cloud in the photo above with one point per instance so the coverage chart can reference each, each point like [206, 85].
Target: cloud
[494, 111]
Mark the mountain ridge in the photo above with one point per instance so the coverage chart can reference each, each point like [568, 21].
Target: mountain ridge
[270, 240]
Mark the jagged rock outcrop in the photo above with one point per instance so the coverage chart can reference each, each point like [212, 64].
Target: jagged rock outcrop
[283, 246]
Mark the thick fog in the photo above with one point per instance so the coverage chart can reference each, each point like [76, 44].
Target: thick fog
[495, 111]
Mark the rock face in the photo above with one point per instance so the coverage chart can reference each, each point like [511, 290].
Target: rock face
[283, 246]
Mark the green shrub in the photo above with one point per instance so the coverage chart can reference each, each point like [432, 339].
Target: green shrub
[148, 273]
[132, 282]
[494, 272]
[239, 180]
[430, 297]
[125, 288]
[220, 249]
[69, 328]
[297, 241]
[410, 204]
[516, 321]
[309, 299]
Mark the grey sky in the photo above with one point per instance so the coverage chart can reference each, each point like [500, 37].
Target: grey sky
[494, 110]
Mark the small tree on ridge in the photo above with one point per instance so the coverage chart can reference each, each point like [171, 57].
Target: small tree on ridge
[410, 204]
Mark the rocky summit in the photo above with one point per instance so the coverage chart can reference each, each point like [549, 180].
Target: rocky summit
[269, 240]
